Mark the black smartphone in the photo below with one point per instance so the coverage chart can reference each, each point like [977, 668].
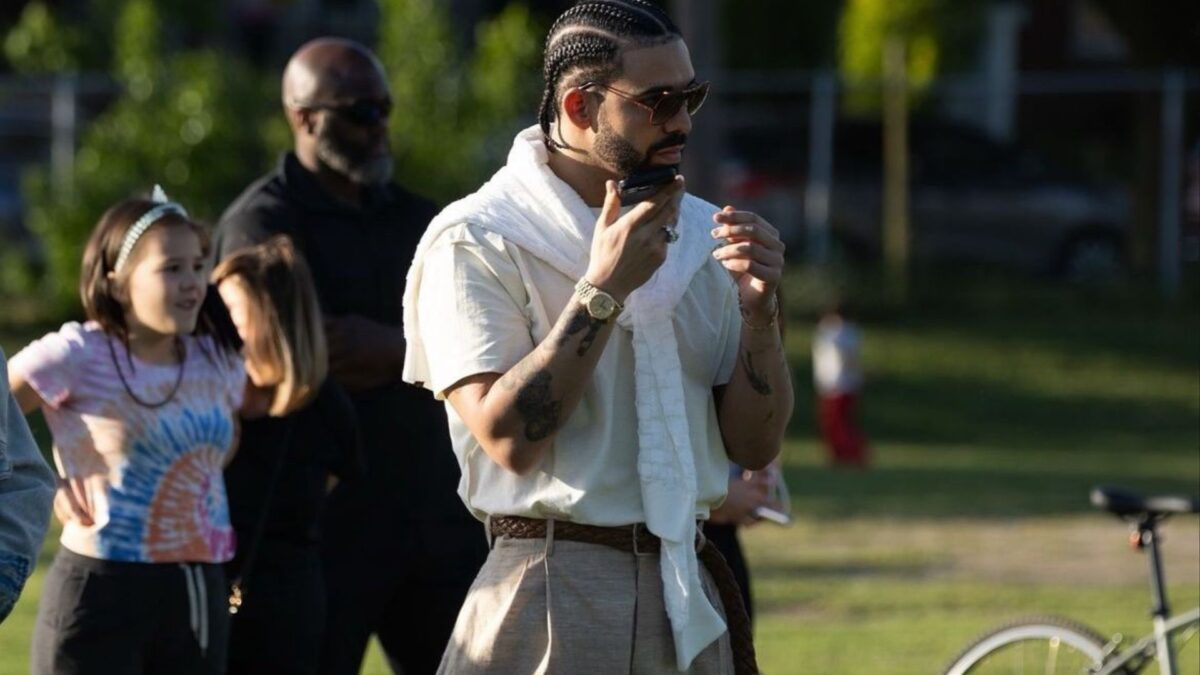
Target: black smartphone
[641, 185]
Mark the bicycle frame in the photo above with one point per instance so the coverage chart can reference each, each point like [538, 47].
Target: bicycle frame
[1158, 643]
[1152, 644]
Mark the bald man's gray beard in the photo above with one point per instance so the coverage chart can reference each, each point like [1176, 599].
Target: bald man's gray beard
[342, 159]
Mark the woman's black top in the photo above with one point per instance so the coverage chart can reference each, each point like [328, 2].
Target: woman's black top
[324, 441]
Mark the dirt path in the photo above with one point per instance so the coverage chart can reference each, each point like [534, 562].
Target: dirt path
[1083, 550]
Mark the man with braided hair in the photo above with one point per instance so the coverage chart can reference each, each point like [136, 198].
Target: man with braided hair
[601, 364]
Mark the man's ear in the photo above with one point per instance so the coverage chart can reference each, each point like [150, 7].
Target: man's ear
[577, 109]
[302, 119]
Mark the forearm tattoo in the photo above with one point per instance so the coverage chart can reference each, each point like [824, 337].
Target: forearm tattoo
[536, 404]
[758, 381]
[579, 322]
[519, 374]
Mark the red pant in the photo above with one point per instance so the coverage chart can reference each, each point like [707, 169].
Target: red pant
[836, 419]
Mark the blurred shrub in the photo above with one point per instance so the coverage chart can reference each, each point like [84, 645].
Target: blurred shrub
[190, 121]
[939, 36]
[456, 115]
[40, 43]
[204, 125]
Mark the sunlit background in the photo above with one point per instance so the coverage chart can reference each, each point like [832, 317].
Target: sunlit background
[1005, 193]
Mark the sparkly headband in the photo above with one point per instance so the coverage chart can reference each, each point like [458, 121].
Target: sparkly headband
[164, 207]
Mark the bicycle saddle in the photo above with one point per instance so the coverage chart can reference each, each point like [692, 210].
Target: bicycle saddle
[1127, 503]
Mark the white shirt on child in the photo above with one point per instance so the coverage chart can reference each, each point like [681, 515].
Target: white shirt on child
[836, 348]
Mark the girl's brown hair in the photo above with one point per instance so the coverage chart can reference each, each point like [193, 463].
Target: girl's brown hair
[287, 337]
[104, 291]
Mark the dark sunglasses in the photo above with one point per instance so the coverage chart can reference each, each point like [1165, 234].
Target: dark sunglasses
[662, 105]
[364, 112]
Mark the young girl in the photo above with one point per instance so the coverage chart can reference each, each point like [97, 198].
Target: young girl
[276, 487]
[141, 401]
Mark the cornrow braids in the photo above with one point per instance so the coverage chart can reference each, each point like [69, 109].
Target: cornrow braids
[585, 43]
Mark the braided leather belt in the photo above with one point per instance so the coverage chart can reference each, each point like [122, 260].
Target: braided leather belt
[638, 540]
[628, 538]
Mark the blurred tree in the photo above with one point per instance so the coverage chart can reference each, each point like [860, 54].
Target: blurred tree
[39, 43]
[46, 40]
[205, 125]
[939, 37]
[456, 114]
[191, 121]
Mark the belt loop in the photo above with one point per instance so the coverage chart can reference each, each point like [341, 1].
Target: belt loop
[487, 530]
[634, 530]
[701, 540]
[549, 537]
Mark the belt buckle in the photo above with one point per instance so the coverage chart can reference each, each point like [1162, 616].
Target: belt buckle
[635, 530]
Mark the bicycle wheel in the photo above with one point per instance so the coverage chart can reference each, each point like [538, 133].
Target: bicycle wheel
[1043, 645]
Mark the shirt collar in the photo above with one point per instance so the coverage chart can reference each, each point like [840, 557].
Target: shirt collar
[308, 191]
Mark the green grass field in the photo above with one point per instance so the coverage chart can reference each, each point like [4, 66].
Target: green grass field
[992, 409]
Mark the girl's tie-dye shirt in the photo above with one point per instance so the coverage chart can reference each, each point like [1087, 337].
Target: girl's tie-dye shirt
[152, 475]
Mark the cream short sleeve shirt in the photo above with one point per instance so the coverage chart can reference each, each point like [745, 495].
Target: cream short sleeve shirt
[484, 304]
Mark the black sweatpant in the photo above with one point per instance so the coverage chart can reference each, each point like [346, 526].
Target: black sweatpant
[118, 618]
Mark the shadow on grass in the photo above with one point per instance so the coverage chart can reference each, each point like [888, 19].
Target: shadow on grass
[961, 411]
[841, 570]
[939, 492]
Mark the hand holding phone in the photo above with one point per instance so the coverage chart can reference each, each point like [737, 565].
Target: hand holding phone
[641, 185]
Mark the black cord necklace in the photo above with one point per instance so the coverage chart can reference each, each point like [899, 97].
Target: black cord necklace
[179, 351]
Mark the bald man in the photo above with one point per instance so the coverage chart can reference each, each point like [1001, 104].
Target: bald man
[398, 548]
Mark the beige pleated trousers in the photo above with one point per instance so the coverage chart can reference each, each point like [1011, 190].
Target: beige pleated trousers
[546, 607]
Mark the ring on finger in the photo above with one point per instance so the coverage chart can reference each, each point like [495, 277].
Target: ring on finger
[671, 234]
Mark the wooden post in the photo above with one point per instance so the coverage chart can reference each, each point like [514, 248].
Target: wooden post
[895, 168]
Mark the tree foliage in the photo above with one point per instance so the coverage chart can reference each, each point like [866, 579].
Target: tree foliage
[204, 125]
[456, 114]
[39, 43]
[189, 121]
[939, 36]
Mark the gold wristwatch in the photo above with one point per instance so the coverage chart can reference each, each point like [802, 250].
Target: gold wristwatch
[599, 305]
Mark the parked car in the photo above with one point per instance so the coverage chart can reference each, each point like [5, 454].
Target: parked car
[970, 200]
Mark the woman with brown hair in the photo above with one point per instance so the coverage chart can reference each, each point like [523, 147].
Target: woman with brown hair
[276, 487]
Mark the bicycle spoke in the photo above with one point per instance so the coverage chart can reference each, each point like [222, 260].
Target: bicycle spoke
[1034, 657]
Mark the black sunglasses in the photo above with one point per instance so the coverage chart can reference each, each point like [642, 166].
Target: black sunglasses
[364, 112]
[662, 105]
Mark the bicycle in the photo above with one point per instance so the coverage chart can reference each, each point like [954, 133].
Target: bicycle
[1052, 644]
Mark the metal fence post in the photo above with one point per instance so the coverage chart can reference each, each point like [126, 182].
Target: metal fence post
[63, 116]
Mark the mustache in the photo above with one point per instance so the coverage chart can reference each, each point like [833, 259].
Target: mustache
[668, 142]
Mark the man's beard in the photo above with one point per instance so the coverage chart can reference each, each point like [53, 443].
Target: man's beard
[621, 156]
[350, 161]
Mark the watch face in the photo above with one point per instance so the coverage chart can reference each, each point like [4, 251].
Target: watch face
[600, 306]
